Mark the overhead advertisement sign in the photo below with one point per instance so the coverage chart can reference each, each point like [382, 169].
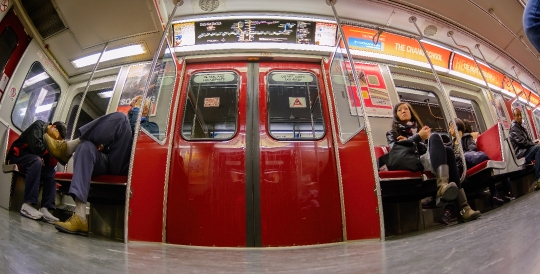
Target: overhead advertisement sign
[372, 90]
[395, 45]
[467, 66]
[515, 87]
[254, 30]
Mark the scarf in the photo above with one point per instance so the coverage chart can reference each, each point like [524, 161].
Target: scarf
[407, 129]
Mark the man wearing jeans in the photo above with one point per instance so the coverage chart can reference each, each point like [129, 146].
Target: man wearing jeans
[30, 154]
[531, 22]
[524, 146]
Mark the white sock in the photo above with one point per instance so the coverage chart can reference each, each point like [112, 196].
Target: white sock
[72, 145]
[80, 209]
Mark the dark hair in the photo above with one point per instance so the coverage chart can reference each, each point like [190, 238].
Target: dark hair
[414, 117]
[514, 111]
[460, 125]
[468, 127]
[62, 129]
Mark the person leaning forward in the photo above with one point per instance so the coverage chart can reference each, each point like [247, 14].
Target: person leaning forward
[30, 153]
[524, 146]
[104, 147]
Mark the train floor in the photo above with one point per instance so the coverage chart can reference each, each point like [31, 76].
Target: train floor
[504, 240]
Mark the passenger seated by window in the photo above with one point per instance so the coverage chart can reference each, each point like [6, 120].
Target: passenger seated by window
[30, 154]
[524, 145]
[104, 147]
[434, 156]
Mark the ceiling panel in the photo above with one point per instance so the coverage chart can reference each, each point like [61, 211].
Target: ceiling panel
[98, 21]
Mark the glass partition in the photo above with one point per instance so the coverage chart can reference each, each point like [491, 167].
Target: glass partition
[346, 95]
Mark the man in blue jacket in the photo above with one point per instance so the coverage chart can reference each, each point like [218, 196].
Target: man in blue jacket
[104, 147]
[524, 145]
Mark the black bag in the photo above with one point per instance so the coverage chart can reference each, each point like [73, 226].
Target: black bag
[403, 156]
[473, 158]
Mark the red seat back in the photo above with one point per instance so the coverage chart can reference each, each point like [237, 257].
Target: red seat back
[490, 143]
[380, 151]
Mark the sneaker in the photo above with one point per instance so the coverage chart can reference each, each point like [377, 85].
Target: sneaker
[47, 216]
[29, 211]
[74, 225]
[57, 148]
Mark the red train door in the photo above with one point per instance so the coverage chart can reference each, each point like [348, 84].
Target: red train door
[253, 162]
[13, 43]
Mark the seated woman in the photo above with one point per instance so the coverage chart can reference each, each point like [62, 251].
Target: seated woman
[434, 156]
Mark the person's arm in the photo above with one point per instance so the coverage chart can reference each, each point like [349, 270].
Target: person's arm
[469, 144]
[391, 138]
[34, 138]
[133, 113]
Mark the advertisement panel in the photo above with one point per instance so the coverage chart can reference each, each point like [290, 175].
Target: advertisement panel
[467, 66]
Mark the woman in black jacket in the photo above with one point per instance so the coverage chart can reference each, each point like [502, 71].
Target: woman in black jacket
[434, 156]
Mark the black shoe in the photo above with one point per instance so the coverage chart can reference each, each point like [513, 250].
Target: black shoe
[497, 201]
[446, 217]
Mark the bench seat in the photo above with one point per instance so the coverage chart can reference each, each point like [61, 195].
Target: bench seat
[102, 179]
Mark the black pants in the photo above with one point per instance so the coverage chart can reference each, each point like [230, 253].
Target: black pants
[439, 155]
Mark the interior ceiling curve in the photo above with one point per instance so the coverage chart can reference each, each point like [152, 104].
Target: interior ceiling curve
[90, 25]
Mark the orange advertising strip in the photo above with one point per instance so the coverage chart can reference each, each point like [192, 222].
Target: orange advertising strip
[395, 45]
[467, 66]
[524, 93]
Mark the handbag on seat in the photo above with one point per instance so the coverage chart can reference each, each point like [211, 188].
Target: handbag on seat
[403, 156]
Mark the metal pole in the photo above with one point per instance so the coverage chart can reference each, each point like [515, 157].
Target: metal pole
[366, 123]
[138, 123]
[446, 96]
[86, 91]
[477, 46]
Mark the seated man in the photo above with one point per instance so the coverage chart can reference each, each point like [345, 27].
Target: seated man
[30, 154]
[104, 147]
[524, 146]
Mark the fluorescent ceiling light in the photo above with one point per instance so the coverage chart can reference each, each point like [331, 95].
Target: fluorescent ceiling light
[117, 53]
[39, 109]
[105, 94]
[35, 79]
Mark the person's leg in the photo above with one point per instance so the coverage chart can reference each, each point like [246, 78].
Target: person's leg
[533, 153]
[112, 130]
[446, 191]
[88, 162]
[531, 22]
[30, 164]
[48, 196]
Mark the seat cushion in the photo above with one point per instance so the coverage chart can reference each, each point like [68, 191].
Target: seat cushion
[399, 175]
[103, 179]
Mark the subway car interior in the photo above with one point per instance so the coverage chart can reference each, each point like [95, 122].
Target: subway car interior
[271, 142]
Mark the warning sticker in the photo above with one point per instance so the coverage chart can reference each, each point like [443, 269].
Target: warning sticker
[297, 102]
[211, 102]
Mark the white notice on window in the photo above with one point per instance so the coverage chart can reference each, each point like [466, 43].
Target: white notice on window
[297, 102]
[211, 102]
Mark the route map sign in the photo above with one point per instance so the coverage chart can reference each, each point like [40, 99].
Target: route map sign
[253, 30]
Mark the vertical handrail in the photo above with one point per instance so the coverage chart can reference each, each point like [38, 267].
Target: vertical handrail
[446, 97]
[366, 123]
[177, 3]
[73, 129]
[477, 46]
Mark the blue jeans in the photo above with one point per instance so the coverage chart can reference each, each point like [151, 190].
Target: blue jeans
[533, 153]
[31, 164]
[531, 22]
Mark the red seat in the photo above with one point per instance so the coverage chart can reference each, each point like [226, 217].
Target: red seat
[102, 179]
[396, 175]
[489, 142]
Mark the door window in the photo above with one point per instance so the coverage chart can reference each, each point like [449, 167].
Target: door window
[211, 109]
[8, 43]
[294, 106]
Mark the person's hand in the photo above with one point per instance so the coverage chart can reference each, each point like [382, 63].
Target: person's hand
[136, 102]
[401, 138]
[425, 132]
[53, 132]
[100, 147]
